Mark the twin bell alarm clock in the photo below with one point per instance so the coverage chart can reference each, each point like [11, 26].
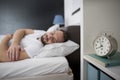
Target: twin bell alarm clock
[105, 45]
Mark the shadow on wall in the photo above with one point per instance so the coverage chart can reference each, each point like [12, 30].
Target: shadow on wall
[35, 14]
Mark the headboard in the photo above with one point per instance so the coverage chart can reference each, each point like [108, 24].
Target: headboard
[74, 58]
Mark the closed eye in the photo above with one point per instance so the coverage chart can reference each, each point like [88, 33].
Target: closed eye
[54, 40]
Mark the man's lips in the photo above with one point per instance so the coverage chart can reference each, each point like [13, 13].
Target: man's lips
[45, 38]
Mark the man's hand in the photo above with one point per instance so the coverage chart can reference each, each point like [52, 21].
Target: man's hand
[15, 49]
[14, 52]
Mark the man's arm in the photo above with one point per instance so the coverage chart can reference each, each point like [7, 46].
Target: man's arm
[15, 49]
[19, 34]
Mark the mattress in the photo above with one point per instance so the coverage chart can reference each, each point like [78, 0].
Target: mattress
[33, 67]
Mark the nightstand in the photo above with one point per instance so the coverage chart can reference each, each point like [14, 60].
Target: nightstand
[95, 71]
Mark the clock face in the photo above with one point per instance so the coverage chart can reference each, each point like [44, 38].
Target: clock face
[102, 46]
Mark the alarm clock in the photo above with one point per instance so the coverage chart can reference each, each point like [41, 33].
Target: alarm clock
[105, 45]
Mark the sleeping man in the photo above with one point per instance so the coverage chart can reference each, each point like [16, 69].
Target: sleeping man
[26, 43]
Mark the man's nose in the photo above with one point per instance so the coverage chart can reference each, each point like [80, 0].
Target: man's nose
[50, 36]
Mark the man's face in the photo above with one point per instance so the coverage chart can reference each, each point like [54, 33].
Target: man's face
[53, 37]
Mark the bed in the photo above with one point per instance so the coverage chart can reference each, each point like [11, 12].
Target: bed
[34, 67]
[52, 68]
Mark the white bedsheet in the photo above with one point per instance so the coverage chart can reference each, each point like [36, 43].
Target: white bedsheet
[33, 67]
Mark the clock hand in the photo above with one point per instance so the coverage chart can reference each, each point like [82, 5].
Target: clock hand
[99, 46]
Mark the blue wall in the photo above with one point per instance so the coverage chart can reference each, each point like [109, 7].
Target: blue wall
[35, 14]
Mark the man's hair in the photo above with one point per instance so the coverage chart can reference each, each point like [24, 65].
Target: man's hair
[65, 35]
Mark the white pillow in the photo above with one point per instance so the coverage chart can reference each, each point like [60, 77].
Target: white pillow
[53, 28]
[58, 49]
